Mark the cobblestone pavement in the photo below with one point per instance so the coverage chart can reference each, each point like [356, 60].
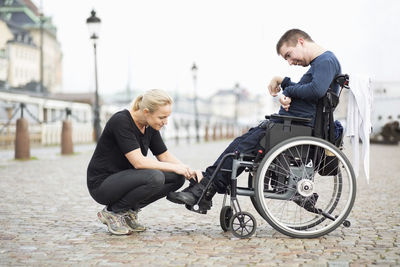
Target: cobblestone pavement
[48, 218]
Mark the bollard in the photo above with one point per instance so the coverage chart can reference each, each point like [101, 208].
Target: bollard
[67, 147]
[206, 134]
[214, 136]
[231, 135]
[22, 146]
[177, 138]
[187, 126]
[176, 125]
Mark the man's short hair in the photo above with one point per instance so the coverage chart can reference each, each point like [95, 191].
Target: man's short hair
[290, 38]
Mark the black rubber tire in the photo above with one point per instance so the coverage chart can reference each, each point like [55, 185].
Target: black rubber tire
[237, 227]
[225, 217]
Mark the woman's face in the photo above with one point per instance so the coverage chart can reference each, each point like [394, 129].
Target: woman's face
[159, 117]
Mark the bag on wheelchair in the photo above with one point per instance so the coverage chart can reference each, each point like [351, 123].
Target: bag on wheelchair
[278, 132]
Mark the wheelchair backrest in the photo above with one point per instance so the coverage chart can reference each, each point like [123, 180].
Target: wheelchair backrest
[324, 125]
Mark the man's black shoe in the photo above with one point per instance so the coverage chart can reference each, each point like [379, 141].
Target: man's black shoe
[174, 196]
[191, 194]
[182, 198]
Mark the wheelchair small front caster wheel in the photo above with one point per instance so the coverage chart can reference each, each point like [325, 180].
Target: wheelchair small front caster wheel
[243, 224]
[225, 217]
[346, 223]
[196, 207]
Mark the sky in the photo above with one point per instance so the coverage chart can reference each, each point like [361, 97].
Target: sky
[153, 43]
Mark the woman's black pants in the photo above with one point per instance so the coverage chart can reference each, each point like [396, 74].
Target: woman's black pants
[135, 189]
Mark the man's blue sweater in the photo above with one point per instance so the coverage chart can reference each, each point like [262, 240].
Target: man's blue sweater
[312, 86]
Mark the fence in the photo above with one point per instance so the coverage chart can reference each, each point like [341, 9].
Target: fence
[45, 133]
[45, 118]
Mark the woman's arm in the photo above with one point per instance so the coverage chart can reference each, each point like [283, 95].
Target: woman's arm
[168, 157]
[139, 161]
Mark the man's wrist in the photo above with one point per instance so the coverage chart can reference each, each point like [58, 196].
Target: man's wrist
[285, 82]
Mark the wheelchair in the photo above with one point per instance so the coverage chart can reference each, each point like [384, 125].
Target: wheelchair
[302, 184]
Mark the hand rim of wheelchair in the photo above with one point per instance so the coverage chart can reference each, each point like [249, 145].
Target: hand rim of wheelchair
[293, 230]
[239, 221]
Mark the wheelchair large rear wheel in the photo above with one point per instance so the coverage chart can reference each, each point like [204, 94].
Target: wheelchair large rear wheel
[300, 180]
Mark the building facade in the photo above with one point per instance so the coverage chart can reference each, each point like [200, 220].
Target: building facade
[30, 54]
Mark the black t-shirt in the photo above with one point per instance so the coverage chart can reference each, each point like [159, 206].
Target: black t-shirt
[120, 136]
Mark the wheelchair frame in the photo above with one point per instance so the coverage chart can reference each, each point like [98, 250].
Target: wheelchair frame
[297, 184]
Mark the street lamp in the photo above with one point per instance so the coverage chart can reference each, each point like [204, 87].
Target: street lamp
[93, 24]
[196, 112]
[236, 91]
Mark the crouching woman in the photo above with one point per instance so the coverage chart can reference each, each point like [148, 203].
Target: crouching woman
[120, 176]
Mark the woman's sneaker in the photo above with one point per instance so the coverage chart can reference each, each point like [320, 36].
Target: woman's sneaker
[115, 222]
[131, 219]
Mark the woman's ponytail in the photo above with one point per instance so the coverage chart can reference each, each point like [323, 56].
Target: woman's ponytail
[136, 103]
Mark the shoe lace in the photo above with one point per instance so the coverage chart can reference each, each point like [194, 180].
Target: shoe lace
[113, 219]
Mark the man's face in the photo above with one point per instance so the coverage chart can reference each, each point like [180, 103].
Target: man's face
[294, 54]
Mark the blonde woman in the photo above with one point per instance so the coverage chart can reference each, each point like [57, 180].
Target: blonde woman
[120, 175]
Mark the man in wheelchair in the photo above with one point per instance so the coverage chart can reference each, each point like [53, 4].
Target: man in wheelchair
[297, 99]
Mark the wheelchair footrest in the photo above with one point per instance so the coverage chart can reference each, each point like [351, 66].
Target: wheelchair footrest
[200, 210]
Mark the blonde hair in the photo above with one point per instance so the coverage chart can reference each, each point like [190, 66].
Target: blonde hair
[152, 100]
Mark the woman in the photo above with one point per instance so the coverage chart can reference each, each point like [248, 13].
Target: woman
[120, 175]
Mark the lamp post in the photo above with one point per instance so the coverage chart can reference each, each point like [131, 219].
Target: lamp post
[93, 24]
[41, 20]
[196, 112]
[236, 91]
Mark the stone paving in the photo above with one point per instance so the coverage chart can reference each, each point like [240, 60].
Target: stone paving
[47, 218]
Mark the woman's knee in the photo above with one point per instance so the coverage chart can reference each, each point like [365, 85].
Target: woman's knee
[156, 178]
[174, 180]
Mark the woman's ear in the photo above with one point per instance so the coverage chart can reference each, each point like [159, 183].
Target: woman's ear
[146, 111]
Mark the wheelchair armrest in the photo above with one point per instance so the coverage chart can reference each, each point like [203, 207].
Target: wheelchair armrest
[288, 119]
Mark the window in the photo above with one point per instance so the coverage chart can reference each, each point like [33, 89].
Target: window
[45, 115]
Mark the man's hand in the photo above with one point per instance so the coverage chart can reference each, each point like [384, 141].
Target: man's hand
[273, 86]
[285, 101]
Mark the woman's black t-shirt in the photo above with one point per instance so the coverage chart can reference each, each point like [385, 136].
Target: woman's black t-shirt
[120, 136]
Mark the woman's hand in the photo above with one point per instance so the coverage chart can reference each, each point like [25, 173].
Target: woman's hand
[285, 101]
[183, 170]
[197, 174]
